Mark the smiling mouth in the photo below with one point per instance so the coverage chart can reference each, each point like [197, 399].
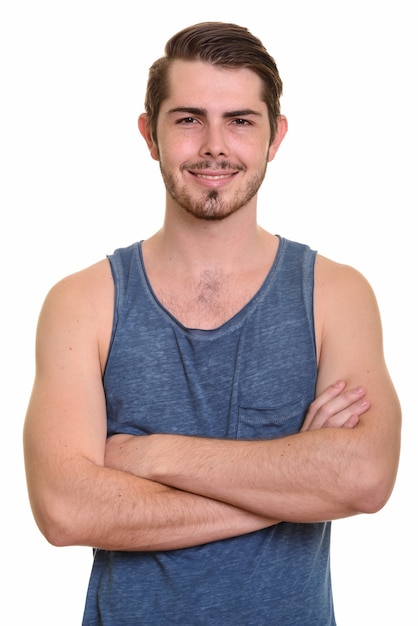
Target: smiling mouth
[213, 170]
[213, 176]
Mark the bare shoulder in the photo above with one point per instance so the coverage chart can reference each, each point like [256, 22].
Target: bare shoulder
[332, 275]
[91, 280]
[337, 285]
[345, 303]
[80, 305]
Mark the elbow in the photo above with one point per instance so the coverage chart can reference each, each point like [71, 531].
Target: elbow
[371, 474]
[372, 489]
[59, 536]
[57, 525]
[372, 499]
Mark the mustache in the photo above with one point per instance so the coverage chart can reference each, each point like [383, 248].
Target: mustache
[211, 165]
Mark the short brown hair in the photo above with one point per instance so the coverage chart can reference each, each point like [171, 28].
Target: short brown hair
[218, 43]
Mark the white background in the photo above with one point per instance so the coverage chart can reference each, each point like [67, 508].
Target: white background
[77, 182]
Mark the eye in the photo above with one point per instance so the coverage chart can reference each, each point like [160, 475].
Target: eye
[240, 121]
[187, 120]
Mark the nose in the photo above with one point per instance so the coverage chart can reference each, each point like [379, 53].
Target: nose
[214, 142]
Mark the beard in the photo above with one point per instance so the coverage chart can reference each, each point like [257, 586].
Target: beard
[211, 205]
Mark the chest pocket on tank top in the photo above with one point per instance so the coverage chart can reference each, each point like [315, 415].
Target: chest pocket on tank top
[268, 423]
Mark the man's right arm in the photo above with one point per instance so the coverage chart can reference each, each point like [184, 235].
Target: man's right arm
[75, 499]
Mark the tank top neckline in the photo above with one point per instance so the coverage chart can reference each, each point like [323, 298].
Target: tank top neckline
[232, 323]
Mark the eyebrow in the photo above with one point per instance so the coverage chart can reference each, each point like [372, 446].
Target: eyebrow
[203, 112]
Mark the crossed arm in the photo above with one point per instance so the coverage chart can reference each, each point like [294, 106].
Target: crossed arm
[287, 479]
[167, 492]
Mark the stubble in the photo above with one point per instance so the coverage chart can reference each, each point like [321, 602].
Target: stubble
[211, 204]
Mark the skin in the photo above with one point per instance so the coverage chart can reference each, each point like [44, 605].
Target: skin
[169, 491]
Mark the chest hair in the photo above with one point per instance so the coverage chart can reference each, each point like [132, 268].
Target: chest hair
[208, 301]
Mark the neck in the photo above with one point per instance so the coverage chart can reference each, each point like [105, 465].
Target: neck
[204, 275]
[197, 244]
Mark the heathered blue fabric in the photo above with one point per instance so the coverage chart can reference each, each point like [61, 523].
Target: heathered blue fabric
[252, 378]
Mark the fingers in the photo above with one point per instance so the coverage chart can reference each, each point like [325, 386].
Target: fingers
[328, 394]
[336, 407]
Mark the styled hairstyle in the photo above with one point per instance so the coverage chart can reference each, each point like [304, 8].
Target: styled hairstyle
[218, 43]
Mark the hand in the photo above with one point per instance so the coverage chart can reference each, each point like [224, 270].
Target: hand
[336, 407]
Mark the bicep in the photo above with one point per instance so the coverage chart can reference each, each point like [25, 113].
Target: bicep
[350, 347]
[65, 425]
[349, 332]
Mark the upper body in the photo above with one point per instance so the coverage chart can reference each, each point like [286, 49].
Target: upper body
[213, 139]
[253, 377]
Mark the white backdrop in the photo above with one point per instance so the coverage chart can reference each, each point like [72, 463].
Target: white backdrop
[77, 182]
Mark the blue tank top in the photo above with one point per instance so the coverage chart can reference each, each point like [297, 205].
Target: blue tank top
[252, 378]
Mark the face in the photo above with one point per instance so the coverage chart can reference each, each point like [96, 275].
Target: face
[213, 139]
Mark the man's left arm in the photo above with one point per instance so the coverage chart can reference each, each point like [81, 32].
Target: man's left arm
[320, 473]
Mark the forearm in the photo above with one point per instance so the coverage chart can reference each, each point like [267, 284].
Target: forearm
[312, 476]
[264, 477]
[335, 467]
[114, 510]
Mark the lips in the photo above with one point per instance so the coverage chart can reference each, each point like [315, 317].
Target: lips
[212, 169]
[213, 179]
[213, 176]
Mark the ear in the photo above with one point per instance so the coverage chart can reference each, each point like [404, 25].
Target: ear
[280, 135]
[145, 130]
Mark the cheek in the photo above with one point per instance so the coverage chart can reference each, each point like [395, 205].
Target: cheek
[254, 149]
[258, 155]
[176, 151]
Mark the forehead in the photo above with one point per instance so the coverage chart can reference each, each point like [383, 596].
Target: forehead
[198, 83]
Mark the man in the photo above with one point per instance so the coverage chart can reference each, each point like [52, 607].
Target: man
[196, 415]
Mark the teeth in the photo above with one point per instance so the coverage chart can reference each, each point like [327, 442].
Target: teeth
[218, 177]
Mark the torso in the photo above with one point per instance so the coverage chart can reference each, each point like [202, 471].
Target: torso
[251, 379]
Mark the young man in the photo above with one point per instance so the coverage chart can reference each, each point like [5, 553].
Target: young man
[196, 415]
